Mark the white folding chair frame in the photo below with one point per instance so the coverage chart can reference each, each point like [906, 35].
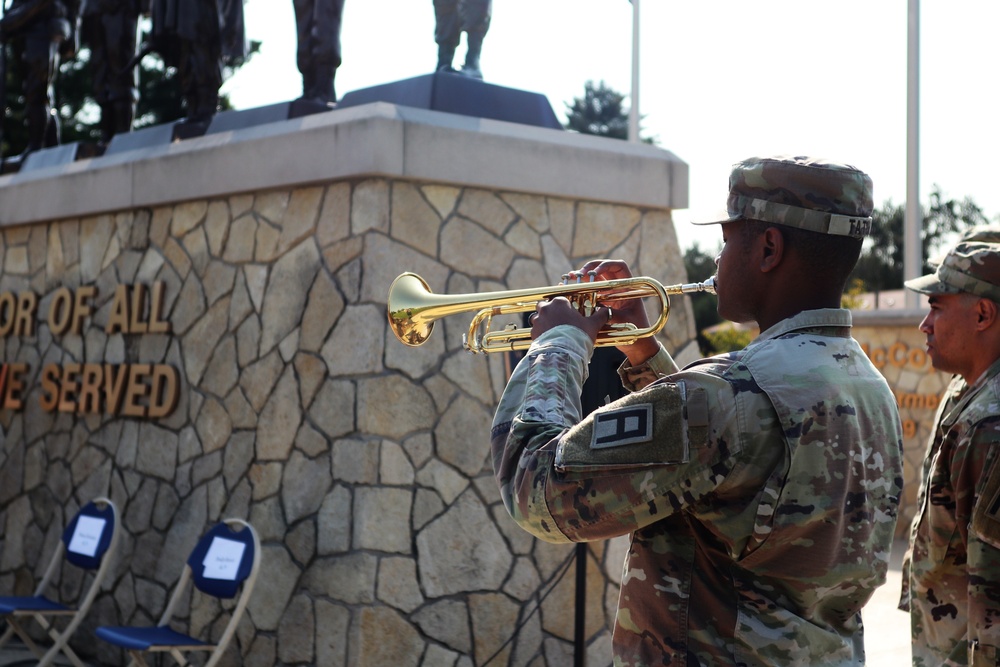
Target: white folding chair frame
[61, 639]
[218, 648]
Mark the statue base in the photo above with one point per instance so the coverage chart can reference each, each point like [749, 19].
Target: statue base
[50, 157]
[224, 121]
[452, 92]
[227, 121]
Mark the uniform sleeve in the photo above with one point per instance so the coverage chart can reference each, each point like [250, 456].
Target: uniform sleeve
[656, 367]
[624, 466]
[541, 401]
[984, 547]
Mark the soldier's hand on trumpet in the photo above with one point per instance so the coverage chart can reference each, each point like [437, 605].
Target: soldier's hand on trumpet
[622, 311]
[550, 314]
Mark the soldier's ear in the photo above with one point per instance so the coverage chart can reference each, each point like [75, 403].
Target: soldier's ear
[987, 314]
[772, 243]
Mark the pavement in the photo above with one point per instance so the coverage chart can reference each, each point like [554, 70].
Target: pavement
[887, 629]
[16, 654]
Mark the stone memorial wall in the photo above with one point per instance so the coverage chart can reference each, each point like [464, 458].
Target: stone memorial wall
[212, 342]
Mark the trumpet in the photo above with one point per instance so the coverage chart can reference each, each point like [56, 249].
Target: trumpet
[413, 309]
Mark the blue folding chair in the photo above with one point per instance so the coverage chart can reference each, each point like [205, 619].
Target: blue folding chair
[88, 542]
[223, 564]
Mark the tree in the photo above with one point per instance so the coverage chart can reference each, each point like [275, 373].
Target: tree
[880, 266]
[599, 112]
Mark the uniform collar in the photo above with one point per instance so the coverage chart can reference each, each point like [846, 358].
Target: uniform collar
[808, 319]
[964, 392]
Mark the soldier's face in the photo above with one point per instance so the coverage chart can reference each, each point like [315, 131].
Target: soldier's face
[949, 327]
[734, 277]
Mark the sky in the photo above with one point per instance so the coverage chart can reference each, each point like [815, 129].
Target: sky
[720, 80]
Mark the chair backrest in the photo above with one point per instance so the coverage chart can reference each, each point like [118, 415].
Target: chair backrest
[89, 541]
[224, 558]
[91, 533]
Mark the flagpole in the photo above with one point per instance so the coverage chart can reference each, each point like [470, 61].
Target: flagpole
[633, 113]
[912, 258]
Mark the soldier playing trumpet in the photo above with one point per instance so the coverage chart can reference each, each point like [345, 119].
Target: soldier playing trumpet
[759, 487]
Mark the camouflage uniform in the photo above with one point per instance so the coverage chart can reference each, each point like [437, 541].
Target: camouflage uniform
[951, 582]
[759, 487]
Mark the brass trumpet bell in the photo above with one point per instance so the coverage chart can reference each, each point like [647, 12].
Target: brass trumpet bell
[413, 309]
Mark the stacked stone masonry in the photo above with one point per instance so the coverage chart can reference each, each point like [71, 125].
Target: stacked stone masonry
[362, 463]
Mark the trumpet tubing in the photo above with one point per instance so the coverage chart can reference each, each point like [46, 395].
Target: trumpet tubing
[413, 309]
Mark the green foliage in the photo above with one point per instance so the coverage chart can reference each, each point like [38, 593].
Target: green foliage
[79, 115]
[851, 298]
[729, 337]
[600, 112]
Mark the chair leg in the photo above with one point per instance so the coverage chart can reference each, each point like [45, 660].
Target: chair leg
[179, 657]
[61, 645]
[7, 635]
[25, 637]
[137, 660]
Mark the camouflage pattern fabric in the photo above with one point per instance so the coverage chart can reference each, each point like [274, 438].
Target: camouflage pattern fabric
[969, 266]
[984, 233]
[807, 193]
[760, 489]
[951, 582]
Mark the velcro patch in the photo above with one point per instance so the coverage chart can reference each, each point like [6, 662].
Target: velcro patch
[624, 426]
[646, 428]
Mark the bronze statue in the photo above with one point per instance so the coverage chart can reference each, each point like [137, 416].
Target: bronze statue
[317, 23]
[453, 18]
[198, 37]
[108, 29]
[40, 32]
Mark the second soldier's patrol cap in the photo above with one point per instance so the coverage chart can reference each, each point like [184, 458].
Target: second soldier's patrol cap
[984, 233]
[970, 266]
[803, 192]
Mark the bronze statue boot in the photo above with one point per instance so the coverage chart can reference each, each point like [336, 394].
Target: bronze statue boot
[471, 67]
[472, 71]
[445, 55]
[318, 87]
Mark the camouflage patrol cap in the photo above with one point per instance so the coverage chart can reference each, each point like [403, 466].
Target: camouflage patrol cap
[807, 193]
[970, 266]
[983, 233]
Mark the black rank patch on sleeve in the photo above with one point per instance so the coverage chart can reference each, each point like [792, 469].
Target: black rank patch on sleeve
[624, 426]
[642, 429]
